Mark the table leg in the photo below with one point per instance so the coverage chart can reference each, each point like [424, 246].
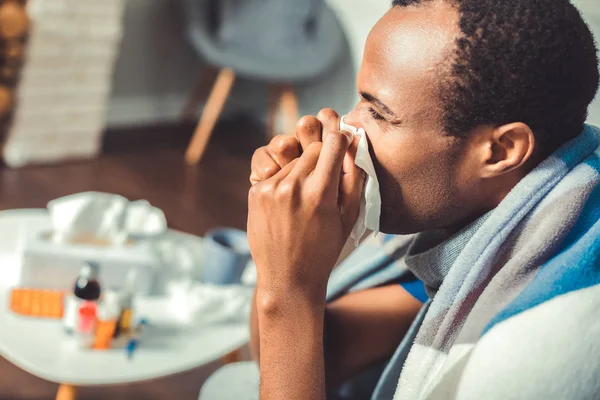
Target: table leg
[66, 392]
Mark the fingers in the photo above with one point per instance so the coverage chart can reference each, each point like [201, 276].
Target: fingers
[325, 173]
[351, 189]
[308, 130]
[284, 173]
[330, 120]
[283, 149]
[269, 160]
[307, 162]
[349, 164]
[263, 166]
[311, 129]
[298, 168]
[273, 186]
[329, 165]
[352, 184]
[323, 162]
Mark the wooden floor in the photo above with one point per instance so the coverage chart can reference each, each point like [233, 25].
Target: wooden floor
[143, 163]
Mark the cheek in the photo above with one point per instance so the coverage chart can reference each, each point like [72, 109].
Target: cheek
[416, 180]
[400, 164]
[399, 153]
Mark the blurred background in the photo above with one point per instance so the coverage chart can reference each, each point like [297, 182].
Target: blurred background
[166, 100]
[115, 79]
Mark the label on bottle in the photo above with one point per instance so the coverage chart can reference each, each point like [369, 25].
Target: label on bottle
[71, 313]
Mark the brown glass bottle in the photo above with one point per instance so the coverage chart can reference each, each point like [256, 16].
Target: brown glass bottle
[87, 286]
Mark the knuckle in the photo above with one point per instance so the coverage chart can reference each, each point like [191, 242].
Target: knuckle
[308, 123]
[286, 191]
[258, 156]
[258, 153]
[269, 170]
[266, 190]
[286, 145]
[261, 192]
[254, 178]
[275, 140]
[262, 165]
[327, 114]
[278, 141]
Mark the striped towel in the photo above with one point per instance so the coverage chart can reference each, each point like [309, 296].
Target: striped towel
[516, 316]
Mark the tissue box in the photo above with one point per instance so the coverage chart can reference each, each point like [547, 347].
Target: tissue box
[50, 265]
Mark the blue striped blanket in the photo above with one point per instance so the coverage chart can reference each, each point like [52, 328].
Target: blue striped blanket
[517, 315]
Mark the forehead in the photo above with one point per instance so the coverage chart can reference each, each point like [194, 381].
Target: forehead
[403, 51]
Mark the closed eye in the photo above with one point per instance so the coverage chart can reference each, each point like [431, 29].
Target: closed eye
[375, 114]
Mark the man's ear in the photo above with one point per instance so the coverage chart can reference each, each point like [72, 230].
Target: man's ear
[508, 147]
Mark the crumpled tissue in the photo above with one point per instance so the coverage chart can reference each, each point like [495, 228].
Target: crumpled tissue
[103, 218]
[370, 205]
[199, 303]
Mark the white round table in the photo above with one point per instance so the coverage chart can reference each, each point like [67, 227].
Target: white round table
[41, 347]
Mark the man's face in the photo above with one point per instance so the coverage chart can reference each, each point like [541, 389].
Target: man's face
[423, 175]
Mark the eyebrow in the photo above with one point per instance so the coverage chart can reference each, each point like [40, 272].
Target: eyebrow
[380, 104]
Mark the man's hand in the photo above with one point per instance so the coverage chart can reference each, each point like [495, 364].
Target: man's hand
[300, 218]
[269, 160]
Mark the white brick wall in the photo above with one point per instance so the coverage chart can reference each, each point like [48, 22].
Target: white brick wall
[65, 84]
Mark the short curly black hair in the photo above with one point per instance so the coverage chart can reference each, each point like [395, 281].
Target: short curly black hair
[530, 61]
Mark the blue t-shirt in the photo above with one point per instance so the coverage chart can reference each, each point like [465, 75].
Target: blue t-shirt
[415, 287]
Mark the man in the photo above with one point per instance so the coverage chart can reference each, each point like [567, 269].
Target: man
[475, 111]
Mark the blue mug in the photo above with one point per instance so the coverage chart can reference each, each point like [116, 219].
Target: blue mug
[224, 257]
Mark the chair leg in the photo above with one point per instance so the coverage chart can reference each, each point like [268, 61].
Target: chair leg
[66, 392]
[275, 91]
[210, 115]
[199, 91]
[282, 100]
[289, 108]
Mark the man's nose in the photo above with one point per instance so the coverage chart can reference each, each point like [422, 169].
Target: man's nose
[352, 118]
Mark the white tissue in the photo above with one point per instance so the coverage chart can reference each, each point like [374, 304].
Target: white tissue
[103, 216]
[202, 304]
[370, 205]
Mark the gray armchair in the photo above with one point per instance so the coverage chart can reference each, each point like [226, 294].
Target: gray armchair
[282, 42]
